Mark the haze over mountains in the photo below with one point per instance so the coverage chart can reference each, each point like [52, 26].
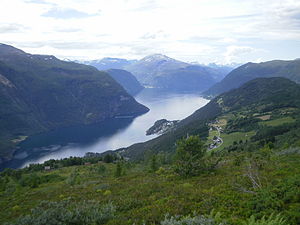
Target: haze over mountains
[41, 92]
[163, 72]
[109, 63]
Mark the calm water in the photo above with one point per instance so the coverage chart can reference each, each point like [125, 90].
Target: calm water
[108, 135]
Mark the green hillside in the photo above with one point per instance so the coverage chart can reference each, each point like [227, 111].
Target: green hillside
[251, 178]
[249, 71]
[39, 93]
[257, 96]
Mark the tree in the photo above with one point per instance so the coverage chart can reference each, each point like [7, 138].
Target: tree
[108, 158]
[189, 156]
[118, 171]
[153, 163]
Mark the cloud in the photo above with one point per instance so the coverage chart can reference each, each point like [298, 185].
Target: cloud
[42, 2]
[67, 13]
[204, 31]
[236, 53]
[67, 30]
[146, 6]
[149, 36]
[11, 28]
[238, 17]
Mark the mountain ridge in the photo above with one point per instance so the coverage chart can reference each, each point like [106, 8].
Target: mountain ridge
[275, 68]
[41, 92]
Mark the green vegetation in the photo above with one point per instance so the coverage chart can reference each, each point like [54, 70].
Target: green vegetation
[235, 137]
[279, 121]
[249, 71]
[139, 196]
[252, 179]
[65, 212]
[189, 156]
[39, 93]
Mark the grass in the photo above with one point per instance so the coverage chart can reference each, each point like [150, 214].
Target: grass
[228, 139]
[279, 121]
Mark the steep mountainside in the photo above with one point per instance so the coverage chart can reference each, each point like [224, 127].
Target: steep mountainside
[39, 92]
[190, 78]
[255, 97]
[249, 71]
[127, 80]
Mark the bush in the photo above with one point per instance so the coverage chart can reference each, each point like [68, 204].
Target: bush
[272, 220]
[119, 169]
[196, 220]
[189, 155]
[73, 178]
[64, 213]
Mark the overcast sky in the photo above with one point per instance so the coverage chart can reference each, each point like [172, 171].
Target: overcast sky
[221, 31]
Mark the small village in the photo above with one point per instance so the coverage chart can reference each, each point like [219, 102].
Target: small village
[217, 140]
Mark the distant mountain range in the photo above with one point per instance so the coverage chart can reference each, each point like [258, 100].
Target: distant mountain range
[160, 71]
[41, 92]
[237, 77]
[109, 63]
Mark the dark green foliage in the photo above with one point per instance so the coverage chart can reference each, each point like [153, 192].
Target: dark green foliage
[64, 213]
[119, 170]
[153, 163]
[243, 124]
[66, 162]
[39, 93]
[34, 180]
[109, 158]
[189, 156]
[268, 133]
[250, 71]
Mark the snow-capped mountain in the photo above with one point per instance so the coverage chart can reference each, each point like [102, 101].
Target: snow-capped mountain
[161, 71]
[109, 63]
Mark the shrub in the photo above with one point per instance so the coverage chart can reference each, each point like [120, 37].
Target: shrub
[118, 171]
[64, 213]
[272, 220]
[189, 155]
[196, 220]
[73, 178]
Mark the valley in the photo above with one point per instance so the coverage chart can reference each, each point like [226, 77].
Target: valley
[227, 160]
[256, 164]
[147, 112]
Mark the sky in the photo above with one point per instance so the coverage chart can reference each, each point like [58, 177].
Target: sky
[202, 31]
